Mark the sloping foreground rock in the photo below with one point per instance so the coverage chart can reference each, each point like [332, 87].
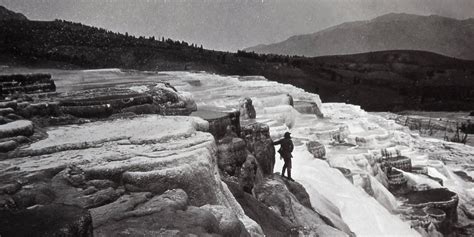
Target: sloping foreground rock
[296, 209]
[95, 164]
[271, 222]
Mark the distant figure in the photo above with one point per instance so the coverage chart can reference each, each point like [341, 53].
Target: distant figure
[286, 147]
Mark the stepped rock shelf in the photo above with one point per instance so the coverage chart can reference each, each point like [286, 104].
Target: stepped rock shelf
[107, 141]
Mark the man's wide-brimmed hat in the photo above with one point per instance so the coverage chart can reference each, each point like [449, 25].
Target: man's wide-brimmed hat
[287, 134]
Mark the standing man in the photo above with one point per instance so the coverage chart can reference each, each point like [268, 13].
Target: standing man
[286, 147]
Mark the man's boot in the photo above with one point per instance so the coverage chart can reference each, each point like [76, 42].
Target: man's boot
[289, 174]
[283, 171]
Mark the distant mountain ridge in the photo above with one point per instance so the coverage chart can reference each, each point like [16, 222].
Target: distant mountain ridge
[6, 14]
[377, 81]
[393, 31]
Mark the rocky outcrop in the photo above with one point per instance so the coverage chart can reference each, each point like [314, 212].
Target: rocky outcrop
[49, 220]
[317, 149]
[231, 153]
[271, 222]
[236, 161]
[247, 111]
[259, 143]
[274, 194]
[299, 192]
[250, 173]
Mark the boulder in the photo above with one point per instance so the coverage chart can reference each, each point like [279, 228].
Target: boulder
[259, 143]
[317, 149]
[49, 220]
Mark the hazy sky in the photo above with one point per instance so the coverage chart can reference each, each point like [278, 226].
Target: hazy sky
[228, 24]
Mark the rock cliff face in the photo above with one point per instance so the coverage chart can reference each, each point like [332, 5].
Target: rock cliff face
[259, 143]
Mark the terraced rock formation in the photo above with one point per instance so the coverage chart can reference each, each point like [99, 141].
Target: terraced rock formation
[157, 167]
[25, 83]
[149, 154]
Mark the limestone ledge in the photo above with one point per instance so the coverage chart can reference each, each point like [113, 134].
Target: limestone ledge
[143, 154]
[438, 198]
